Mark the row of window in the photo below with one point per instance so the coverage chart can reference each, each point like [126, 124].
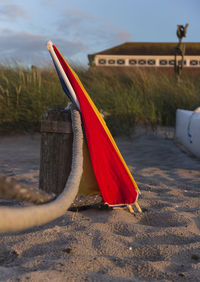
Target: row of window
[149, 62]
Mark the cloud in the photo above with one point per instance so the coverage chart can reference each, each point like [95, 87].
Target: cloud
[97, 32]
[75, 21]
[76, 33]
[30, 48]
[12, 12]
[122, 36]
[107, 34]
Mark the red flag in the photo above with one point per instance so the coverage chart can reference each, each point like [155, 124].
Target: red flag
[115, 182]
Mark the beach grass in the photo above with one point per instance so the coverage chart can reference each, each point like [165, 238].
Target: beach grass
[125, 96]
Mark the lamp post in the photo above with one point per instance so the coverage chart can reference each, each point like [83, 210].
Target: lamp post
[180, 49]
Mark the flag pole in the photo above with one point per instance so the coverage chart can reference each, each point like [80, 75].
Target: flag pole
[64, 76]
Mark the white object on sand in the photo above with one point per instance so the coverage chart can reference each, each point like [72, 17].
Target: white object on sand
[188, 130]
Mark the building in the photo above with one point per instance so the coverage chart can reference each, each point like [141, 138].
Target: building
[146, 54]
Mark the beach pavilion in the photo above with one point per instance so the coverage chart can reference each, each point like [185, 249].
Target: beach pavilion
[146, 54]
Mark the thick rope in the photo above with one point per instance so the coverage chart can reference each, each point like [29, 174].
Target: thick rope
[14, 219]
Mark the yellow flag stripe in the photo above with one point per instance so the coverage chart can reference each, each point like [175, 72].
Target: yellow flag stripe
[104, 126]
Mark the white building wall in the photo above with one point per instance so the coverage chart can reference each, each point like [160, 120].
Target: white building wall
[160, 61]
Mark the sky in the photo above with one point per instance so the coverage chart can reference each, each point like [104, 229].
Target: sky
[82, 27]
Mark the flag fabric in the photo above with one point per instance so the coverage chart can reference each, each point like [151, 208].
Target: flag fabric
[115, 182]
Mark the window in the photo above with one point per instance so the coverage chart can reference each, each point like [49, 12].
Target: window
[111, 62]
[163, 62]
[180, 62]
[132, 62]
[171, 62]
[102, 61]
[151, 62]
[142, 62]
[120, 62]
[193, 62]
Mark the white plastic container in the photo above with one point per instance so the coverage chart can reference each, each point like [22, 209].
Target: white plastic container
[188, 130]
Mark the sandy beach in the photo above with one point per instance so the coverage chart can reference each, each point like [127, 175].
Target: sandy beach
[161, 244]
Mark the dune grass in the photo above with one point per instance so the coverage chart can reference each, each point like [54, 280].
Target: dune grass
[126, 96]
[25, 94]
[145, 97]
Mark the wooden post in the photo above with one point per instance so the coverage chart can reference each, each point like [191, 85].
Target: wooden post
[55, 150]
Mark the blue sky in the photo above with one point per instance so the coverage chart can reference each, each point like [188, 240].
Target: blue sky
[81, 27]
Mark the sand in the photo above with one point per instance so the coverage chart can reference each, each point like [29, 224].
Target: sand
[161, 244]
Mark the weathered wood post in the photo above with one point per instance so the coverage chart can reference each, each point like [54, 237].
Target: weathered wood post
[55, 150]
